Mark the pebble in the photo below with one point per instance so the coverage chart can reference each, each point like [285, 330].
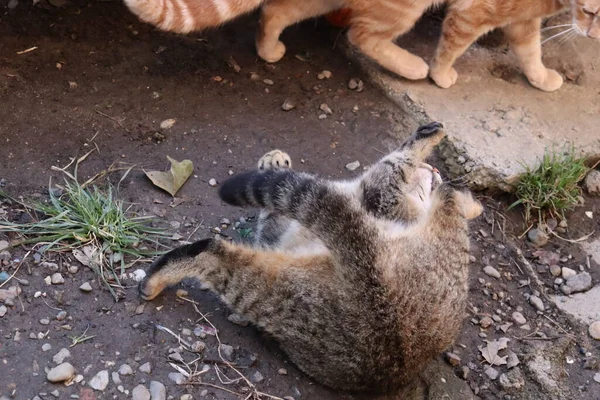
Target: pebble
[485, 322]
[61, 356]
[353, 166]
[597, 377]
[73, 269]
[453, 359]
[86, 287]
[116, 378]
[57, 279]
[168, 123]
[268, 82]
[4, 245]
[44, 321]
[282, 371]
[212, 182]
[568, 273]
[257, 377]
[158, 391]
[46, 347]
[288, 105]
[3, 311]
[555, 270]
[536, 302]
[61, 315]
[55, 393]
[492, 373]
[100, 381]
[186, 397]
[139, 275]
[198, 346]
[125, 370]
[4, 276]
[326, 109]
[61, 373]
[238, 320]
[140, 393]
[227, 351]
[146, 367]
[580, 282]
[537, 237]
[324, 75]
[178, 378]
[519, 318]
[594, 330]
[591, 183]
[491, 271]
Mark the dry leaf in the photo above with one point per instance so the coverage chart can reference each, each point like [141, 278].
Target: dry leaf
[88, 256]
[167, 123]
[173, 180]
[513, 360]
[490, 352]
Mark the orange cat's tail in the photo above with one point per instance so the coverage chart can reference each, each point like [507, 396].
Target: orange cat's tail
[185, 16]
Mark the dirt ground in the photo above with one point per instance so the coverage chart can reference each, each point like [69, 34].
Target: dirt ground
[98, 79]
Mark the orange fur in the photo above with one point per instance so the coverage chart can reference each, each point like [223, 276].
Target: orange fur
[374, 24]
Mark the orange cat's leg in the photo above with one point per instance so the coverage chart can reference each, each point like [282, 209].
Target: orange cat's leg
[460, 30]
[278, 15]
[524, 39]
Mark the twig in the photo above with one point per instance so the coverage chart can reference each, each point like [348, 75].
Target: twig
[113, 119]
[195, 230]
[170, 332]
[16, 270]
[27, 50]
[53, 308]
[82, 338]
[559, 326]
[581, 239]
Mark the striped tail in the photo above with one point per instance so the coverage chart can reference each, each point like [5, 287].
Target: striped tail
[185, 16]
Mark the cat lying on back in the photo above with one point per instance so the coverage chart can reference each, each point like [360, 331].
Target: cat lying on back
[375, 24]
[361, 282]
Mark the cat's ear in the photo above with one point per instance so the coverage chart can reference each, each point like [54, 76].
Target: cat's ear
[424, 140]
[468, 206]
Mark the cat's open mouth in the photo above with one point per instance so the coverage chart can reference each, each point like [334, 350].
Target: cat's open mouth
[436, 178]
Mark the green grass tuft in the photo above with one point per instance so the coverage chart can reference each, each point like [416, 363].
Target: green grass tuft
[553, 186]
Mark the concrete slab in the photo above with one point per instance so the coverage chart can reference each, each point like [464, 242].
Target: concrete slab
[592, 249]
[583, 306]
[496, 121]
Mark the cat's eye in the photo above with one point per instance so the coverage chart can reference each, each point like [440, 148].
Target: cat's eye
[589, 13]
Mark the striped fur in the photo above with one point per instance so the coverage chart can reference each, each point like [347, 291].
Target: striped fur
[374, 25]
[359, 293]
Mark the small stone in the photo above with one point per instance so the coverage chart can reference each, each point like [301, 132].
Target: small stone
[100, 381]
[324, 75]
[536, 302]
[257, 377]
[186, 397]
[198, 346]
[55, 393]
[212, 182]
[519, 318]
[268, 82]
[568, 273]
[597, 377]
[4, 245]
[485, 322]
[178, 378]
[125, 370]
[580, 282]
[491, 271]
[140, 393]
[73, 269]
[146, 367]
[353, 84]
[158, 391]
[4, 276]
[182, 293]
[591, 183]
[116, 378]
[537, 237]
[512, 380]
[57, 279]
[3, 311]
[555, 270]
[453, 359]
[61, 315]
[86, 287]
[60, 357]
[238, 320]
[139, 275]
[594, 330]
[168, 123]
[566, 290]
[46, 347]
[325, 108]
[322, 116]
[353, 166]
[288, 105]
[61, 373]
[492, 373]
[282, 371]
[227, 351]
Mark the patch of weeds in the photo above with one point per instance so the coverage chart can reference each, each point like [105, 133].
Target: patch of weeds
[553, 186]
[92, 224]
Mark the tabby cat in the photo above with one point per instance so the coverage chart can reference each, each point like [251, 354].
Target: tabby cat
[361, 282]
[375, 24]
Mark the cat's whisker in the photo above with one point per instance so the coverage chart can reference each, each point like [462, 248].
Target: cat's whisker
[566, 38]
[557, 35]
[554, 27]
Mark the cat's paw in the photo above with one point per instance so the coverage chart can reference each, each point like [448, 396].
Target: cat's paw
[549, 80]
[444, 78]
[275, 159]
[271, 54]
[414, 68]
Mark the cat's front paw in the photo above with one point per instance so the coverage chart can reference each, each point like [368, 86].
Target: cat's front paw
[549, 80]
[275, 159]
[271, 54]
[444, 78]
[414, 68]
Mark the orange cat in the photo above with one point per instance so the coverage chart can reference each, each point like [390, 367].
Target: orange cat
[374, 24]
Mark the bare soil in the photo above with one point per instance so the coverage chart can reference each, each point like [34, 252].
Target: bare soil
[100, 80]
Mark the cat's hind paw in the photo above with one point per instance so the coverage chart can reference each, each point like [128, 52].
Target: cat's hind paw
[548, 81]
[271, 55]
[275, 159]
[444, 78]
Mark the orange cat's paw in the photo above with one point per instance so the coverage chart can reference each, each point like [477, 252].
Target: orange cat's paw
[548, 81]
[445, 78]
[414, 68]
[271, 55]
